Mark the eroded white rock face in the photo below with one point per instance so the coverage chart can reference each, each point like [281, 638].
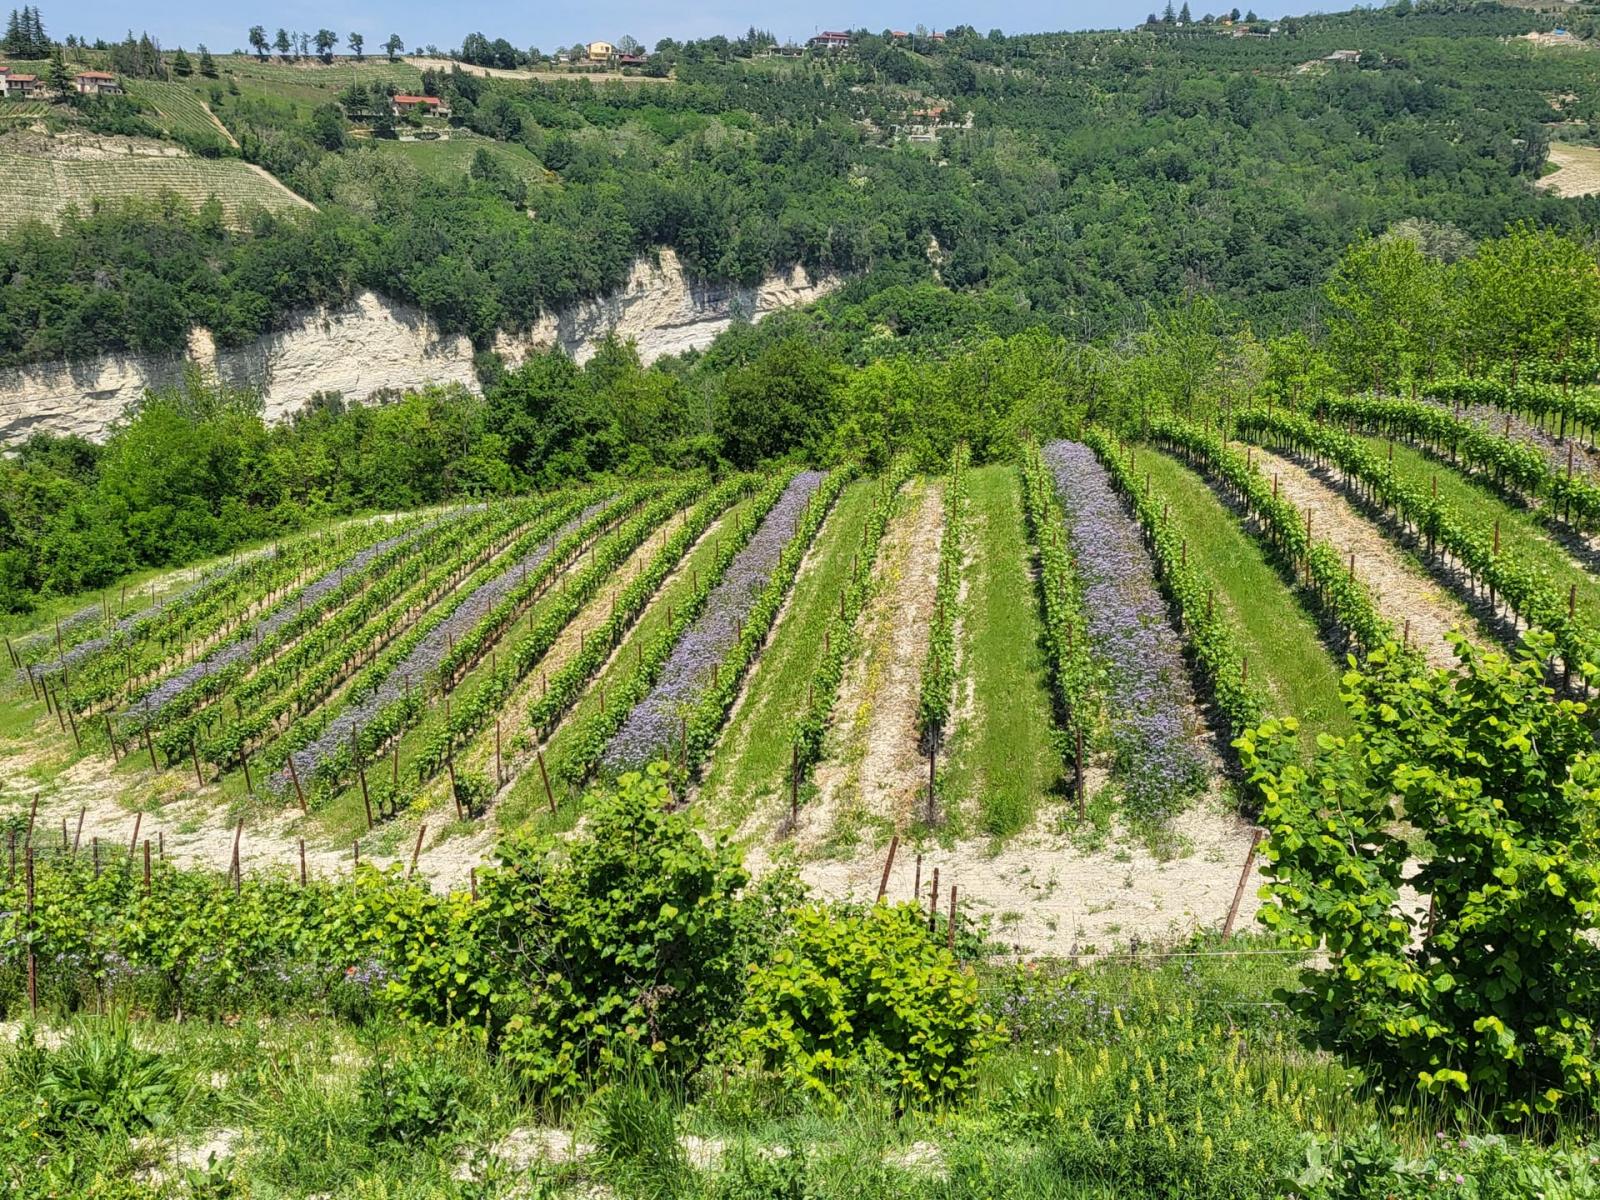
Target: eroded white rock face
[372, 344]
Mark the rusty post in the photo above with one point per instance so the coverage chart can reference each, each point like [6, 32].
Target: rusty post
[133, 842]
[302, 862]
[416, 850]
[77, 835]
[244, 761]
[950, 929]
[933, 899]
[888, 865]
[295, 776]
[1244, 879]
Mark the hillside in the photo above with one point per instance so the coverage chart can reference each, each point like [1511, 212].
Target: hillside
[50, 173]
[925, 615]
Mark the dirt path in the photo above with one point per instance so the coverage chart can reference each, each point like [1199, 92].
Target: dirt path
[873, 765]
[449, 64]
[1043, 895]
[1577, 170]
[1403, 591]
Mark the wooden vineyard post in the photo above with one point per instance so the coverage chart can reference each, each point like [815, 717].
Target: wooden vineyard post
[1077, 769]
[950, 928]
[1244, 878]
[244, 761]
[63, 835]
[33, 960]
[94, 854]
[794, 787]
[416, 850]
[394, 773]
[549, 792]
[355, 852]
[366, 796]
[302, 862]
[73, 720]
[235, 868]
[888, 865]
[194, 754]
[133, 842]
[111, 737]
[499, 778]
[147, 866]
[77, 835]
[450, 766]
[933, 899]
[932, 765]
[294, 775]
[472, 883]
[916, 881]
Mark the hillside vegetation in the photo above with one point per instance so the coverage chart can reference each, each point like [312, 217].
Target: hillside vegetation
[1101, 706]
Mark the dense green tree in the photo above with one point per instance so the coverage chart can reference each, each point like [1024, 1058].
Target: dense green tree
[258, 41]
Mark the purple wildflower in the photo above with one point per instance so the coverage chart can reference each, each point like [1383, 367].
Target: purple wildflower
[653, 723]
[424, 658]
[1133, 639]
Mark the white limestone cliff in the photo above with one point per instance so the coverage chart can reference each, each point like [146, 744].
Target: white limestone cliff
[373, 344]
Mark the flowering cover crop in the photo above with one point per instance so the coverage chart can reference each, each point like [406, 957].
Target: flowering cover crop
[423, 659]
[653, 723]
[247, 645]
[1128, 626]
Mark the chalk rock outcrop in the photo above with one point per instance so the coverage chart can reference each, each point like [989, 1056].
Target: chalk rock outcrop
[372, 344]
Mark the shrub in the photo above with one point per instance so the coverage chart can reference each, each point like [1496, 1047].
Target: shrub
[870, 996]
[1493, 996]
[626, 946]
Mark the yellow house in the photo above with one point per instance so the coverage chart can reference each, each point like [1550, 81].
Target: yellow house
[600, 51]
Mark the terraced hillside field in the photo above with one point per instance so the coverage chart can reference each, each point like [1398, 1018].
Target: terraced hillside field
[49, 175]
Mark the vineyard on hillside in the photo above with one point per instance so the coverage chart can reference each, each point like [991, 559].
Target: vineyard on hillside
[49, 175]
[988, 675]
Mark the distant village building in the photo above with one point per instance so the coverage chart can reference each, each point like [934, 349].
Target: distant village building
[1344, 56]
[22, 87]
[631, 60]
[830, 39]
[601, 51]
[424, 106]
[97, 83]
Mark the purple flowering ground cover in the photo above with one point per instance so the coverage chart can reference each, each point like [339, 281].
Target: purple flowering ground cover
[425, 657]
[653, 723]
[245, 646]
[1149, 694]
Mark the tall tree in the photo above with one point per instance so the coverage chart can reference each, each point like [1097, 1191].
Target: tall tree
[393, 46]
[258, 41]
[208, 65]
[181, 66]
[282, 44]
[357, 43]
[327, 39]
[59, 78]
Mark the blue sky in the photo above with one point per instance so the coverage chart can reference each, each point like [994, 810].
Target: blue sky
[222, 27]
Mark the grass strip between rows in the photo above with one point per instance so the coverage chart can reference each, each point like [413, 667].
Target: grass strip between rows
[704, 719]
[842, 636]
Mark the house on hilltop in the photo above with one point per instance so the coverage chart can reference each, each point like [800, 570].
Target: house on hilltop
[97, 83]
[1344, 57]
[829, 39]
[601, 51]
[423, 106]
[22, 87]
